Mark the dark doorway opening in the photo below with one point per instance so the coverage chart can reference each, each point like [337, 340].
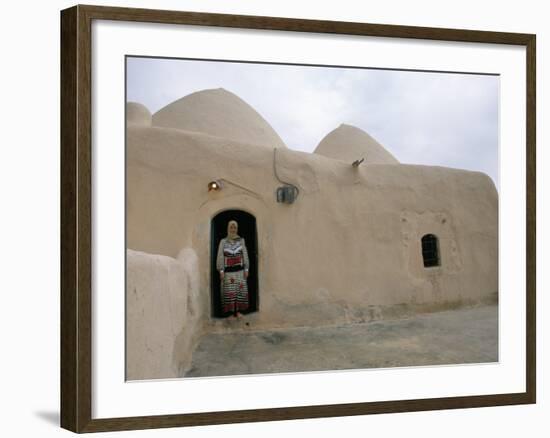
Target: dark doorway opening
[247, 230]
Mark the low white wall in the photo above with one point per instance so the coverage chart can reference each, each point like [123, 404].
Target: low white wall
[163, 314]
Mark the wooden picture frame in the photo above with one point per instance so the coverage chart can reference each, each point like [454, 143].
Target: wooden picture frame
[76, 218]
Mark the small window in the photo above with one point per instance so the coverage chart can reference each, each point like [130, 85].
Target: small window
[430, 251]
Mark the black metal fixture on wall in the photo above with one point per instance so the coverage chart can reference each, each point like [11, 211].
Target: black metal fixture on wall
[287, 194]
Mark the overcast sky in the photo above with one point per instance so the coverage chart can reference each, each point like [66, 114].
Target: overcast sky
[445, 119]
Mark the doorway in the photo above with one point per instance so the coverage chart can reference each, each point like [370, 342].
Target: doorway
[247, 230]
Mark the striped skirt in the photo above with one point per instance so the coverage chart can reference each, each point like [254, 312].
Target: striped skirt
[234, 292]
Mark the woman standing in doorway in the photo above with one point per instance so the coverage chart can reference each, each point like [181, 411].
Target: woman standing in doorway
[232, 263]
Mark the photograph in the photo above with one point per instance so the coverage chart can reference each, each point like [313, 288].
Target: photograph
[275, 219]
[290, 218]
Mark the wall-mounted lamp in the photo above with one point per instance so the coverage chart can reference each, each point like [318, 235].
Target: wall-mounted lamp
[287, 194]
[218, 184]
[214, 186]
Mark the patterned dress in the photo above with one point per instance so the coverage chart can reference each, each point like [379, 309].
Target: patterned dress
[232, 259]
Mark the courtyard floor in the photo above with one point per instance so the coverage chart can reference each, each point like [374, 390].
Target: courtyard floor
[449, 337]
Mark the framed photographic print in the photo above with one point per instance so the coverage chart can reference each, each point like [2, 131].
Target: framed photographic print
[331, 218]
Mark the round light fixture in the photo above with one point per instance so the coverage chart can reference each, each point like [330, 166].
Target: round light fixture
[214, 186]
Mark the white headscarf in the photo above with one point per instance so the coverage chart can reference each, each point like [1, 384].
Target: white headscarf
[235, 236]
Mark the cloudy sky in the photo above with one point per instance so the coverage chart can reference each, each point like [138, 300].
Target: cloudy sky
[445, 119]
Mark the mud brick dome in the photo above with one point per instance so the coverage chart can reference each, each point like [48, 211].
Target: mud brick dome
[348, 143]
[220, 113]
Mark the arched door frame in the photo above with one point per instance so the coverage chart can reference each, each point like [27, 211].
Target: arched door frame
[248, 229]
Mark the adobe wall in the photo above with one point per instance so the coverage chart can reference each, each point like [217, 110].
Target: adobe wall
[348, 250]
[164, 315]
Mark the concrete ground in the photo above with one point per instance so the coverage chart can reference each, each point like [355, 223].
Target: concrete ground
[449, 337]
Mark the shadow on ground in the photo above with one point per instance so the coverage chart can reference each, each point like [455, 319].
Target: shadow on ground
[51, 417]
